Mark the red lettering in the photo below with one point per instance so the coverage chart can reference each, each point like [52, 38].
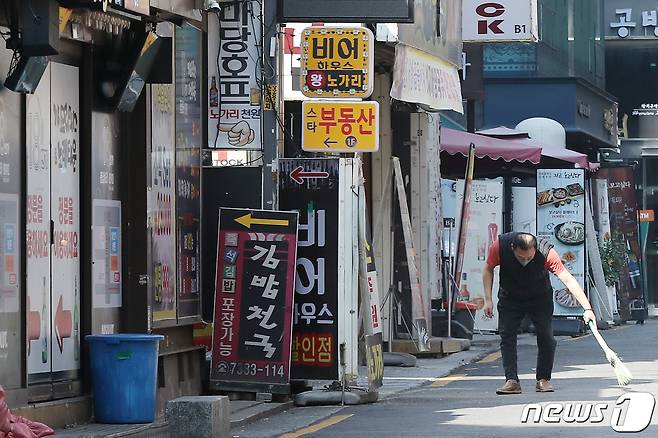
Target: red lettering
[490, 10]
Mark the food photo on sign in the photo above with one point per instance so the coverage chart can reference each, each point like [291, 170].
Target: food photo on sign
[561, 221]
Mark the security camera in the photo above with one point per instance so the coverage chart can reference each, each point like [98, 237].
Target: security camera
[212, 6]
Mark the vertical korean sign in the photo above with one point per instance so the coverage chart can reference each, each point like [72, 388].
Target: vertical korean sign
[11, 273]
[256, 252]
[37, 232]
[188, 168]
[311, 187]
[623, 225]
[234, 77]
[561, 221]
[485, 224]
[65, 214]
[161, 204]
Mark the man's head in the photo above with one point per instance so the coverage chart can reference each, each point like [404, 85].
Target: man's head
[524, 247]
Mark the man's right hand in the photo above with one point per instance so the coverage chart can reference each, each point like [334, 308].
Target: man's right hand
[488, 308]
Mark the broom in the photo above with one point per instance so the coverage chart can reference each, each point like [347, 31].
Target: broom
[623, 374]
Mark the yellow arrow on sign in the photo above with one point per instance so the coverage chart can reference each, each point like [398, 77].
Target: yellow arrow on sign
[247, 221]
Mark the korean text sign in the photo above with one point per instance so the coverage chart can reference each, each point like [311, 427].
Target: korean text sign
[188, 169]
[315, 329]
[561, 221]
[333, 126]
[256, 252]
[234, 77]
[622, 206]
[337, 62]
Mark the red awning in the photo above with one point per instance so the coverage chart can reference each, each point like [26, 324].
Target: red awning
[522, 138]
[458, 142]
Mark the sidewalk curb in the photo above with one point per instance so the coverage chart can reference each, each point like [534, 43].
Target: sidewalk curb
[280, 407]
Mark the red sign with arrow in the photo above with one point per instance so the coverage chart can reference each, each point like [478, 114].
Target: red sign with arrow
[299, 175]
[63, 324]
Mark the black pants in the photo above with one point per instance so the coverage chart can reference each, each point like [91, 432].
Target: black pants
[510, 314]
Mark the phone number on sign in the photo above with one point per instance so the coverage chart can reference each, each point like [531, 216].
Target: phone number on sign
[250, 369]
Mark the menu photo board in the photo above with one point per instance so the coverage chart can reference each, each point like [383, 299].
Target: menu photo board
[561, 221]
[256, 253]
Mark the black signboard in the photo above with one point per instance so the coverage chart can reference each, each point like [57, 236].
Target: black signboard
[256, 252]
[188, 168]
[345, 11]
[310, 186]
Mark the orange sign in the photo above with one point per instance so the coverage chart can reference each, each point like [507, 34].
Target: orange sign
[647, 215]
[333, 126]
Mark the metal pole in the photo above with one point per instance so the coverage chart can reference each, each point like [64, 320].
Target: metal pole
[391, 291]
[271, 88]
[450, 280]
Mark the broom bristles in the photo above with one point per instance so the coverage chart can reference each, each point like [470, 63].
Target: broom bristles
[622, 372]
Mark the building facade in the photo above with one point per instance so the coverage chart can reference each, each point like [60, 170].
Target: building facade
[100, 195]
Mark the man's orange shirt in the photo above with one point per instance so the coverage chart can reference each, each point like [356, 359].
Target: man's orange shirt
[553, 263]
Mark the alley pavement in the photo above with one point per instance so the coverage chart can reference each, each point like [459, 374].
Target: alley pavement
[464, 403]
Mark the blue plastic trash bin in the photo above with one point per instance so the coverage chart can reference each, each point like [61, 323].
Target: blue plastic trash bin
[124, 372]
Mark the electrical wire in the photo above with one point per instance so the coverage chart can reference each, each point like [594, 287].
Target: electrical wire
[263, 85]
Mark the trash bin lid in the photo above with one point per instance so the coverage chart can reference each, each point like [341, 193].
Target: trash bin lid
[124, 337]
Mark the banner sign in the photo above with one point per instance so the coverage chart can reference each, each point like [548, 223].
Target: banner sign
[256, 252]
[524, 192]
[161, 199]
[370, 298]
[188, 137]
[485, 224]
[337, 62]
[561, 221]
[332, 126]
[419, 77]
[234, 77]
[601, 203]
[310, 186]
[37, 228]
[624, 225]
[65, 216]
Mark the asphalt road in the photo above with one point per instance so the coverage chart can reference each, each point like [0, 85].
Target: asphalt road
[465, 404]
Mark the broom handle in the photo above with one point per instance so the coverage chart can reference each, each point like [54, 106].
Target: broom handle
[598, 336]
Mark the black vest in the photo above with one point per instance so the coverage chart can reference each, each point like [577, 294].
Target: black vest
[520, 282]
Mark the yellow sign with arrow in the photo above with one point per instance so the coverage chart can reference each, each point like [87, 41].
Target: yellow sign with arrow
[248, 220]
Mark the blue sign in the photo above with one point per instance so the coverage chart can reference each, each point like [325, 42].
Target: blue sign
[9, 238]
[114, 240]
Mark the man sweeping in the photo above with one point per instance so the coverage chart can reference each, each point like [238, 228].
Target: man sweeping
[525, 289]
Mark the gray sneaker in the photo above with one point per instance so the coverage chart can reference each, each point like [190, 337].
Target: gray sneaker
[510, 387]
